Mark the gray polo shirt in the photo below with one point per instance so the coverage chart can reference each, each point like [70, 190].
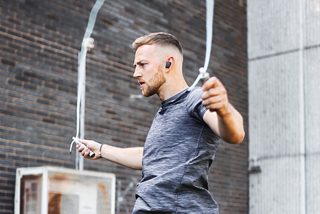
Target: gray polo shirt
[178, 152]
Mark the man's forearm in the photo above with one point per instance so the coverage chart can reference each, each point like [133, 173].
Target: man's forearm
[129, 157]
[231, 126]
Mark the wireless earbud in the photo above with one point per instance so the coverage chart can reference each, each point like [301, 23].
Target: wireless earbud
[168, 64]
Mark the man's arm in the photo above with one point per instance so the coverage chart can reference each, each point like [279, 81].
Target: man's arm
[221, 116]
[129, 157]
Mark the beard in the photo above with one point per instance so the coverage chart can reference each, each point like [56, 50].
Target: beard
[153, 85]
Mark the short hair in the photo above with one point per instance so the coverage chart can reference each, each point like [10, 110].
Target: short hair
[160, 38]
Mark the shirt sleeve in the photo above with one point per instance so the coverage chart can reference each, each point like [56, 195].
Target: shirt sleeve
[194, 104]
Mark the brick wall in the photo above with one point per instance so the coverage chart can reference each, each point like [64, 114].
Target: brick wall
[39, 43]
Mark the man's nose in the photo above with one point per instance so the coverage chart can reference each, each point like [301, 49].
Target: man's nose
[137, 73]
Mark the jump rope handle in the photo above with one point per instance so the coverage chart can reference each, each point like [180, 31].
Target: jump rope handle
[203, 80]
[91, 154]
[76, 140]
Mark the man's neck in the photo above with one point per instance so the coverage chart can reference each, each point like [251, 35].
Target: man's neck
[172, 88]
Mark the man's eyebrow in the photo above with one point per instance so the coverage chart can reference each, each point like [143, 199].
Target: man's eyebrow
[138, 63]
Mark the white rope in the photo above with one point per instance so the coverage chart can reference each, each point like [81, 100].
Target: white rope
[203, 74]
[87, 44]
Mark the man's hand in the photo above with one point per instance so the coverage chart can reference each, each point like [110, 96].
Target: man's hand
[89, 145]
[215, 97]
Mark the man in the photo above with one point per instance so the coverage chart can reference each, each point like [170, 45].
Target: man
[183, 137]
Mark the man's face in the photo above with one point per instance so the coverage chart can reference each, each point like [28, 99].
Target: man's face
[149, 69]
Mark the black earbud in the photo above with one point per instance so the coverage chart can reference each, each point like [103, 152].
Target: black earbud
[168, 64]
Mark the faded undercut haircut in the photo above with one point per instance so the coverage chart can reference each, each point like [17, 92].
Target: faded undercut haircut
[160, 38]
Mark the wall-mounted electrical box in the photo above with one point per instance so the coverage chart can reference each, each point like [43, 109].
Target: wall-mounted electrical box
[50, 190]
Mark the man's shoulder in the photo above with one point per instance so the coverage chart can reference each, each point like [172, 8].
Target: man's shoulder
[194, 96]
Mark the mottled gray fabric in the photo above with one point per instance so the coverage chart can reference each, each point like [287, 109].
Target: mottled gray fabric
[178, 152]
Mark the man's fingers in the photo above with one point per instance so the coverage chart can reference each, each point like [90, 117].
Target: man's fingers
[212, 100]
[80, 147]
[84, 142]
[211, 83]
[213, 92]
[215, 106]
[86, 146]
[85, 152]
